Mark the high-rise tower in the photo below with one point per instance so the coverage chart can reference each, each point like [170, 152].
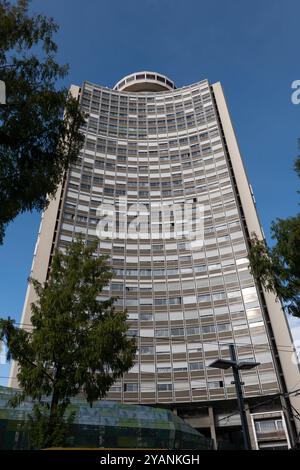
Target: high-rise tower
[188, 294]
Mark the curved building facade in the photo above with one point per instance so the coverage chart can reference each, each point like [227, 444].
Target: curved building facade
[107, 425]
[152, 151]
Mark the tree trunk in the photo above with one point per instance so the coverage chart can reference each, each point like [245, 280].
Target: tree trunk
[53, 406]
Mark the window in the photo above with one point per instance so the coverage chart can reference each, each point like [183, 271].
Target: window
[268, 426]
[146, 316]
[218, 296]
[82, 219]
[204, 298]
[131, 387]
[108, 190]
[249, 294]
[115, 388]
[147, 350]
[162, 332]
[117, 286]
[212, 267]
[171, 301]
[175, 301]
[191, 299]
[183, 246]
[208, 329]
[68, 216]
[163, 349]
[186, 258]
[199, 269]
[195, 366]
[132, 332]
[177, 331]
[164, 387]
[215, 384]
[193, 330]
[223, 327]
[158, 247]
[180, 368]
[164, 369]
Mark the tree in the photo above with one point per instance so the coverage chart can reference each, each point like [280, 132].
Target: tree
[278, 267]
[78, 344]
[40, 123]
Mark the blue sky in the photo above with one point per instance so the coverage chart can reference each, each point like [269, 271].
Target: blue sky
[251, 47]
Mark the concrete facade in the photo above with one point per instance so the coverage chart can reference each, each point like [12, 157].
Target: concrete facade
[187, 299]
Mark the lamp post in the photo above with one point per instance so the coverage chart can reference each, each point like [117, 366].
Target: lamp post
[236, 367]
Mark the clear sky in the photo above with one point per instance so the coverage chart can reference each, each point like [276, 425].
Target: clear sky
[251, 47]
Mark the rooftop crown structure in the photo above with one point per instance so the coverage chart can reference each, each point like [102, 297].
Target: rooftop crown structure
[165, 160]
[145, 82]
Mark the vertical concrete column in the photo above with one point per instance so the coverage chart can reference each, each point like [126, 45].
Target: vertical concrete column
[213, 434]
[250, 427]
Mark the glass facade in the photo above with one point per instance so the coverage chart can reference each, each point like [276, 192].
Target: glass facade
[106, 425]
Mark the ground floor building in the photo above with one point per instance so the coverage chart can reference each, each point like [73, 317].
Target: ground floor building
[189, 426]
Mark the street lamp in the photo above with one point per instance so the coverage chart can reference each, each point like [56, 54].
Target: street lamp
[236, 367]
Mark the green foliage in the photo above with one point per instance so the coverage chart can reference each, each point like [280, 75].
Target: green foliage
[77, 343]
[37, 144]
[278, 267]
[37, 427]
